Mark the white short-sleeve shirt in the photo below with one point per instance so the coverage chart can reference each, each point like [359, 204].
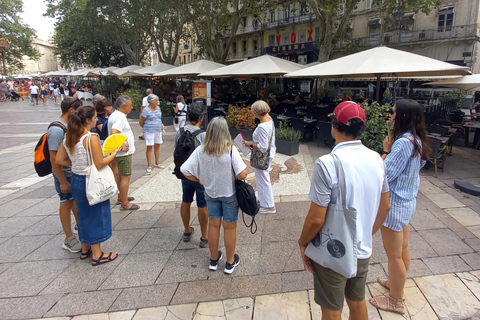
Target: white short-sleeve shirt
[214, 173]
[145, 102]
[366, 180]
[118, 121]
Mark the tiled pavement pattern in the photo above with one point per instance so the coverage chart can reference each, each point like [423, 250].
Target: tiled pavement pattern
[39, 279]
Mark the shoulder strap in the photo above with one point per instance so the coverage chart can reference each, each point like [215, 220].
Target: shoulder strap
[341, 179]
[58, 124]
[182, 131]
[231, 163]
[197, 132]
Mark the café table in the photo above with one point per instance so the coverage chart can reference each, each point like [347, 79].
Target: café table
[471, 125]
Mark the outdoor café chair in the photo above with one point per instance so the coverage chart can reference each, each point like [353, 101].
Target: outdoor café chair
[437, 153]
[324, 133]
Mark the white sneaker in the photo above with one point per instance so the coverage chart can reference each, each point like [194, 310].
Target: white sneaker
[149, 170]
[267, 210]
[160, 166]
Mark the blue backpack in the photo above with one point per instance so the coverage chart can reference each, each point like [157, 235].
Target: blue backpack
[104, 134]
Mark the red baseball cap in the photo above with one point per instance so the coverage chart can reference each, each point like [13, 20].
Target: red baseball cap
[347, 111]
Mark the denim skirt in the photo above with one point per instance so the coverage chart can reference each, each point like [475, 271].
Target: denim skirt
[94, 222]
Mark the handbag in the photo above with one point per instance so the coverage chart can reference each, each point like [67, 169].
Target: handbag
[246, 200]
[261, 160]
[100, 184]
[335, 245]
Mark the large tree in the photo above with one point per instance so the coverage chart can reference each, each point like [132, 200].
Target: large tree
[216, 23]
[335, 15]
[18, 33]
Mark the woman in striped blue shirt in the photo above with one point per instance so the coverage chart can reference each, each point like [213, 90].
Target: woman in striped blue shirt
[404, 154]
[151, 122]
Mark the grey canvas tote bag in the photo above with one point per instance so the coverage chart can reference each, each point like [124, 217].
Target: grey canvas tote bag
[335, 246]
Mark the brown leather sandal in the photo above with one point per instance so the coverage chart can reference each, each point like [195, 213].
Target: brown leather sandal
[386, 303]
[383, 282]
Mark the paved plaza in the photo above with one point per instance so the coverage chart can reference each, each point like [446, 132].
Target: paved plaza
[157, 276]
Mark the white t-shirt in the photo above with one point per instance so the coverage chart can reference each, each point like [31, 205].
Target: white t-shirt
[366, 180]
[145, 102]
[214, 173]
[261, 137]
[34, 89]
[118, 121]
[182, 107]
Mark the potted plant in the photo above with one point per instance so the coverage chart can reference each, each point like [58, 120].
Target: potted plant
[240, 120]
[167, 113]
[287, 140]
[376, 128]
[137, 96]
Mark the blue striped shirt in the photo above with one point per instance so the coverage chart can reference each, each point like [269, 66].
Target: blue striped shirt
[153, 120]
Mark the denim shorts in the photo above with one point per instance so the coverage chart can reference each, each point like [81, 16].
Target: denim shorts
[189, 188]
[64, 197]
[226, 207]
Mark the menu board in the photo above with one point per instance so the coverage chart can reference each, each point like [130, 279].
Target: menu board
[199, 90]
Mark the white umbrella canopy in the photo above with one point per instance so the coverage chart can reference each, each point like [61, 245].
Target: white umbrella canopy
[126, 71]
[261, 66]
[380, 62]
[155, 68]
[100, 71]
[192, 69]
[79, 73]
[469, 82]
[58, 73]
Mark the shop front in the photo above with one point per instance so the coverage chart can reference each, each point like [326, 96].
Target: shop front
[303, 53]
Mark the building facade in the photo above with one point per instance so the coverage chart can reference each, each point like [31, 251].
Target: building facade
[47, 61]
[449, 33]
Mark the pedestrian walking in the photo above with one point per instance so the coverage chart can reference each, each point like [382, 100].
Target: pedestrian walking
[264, 141]
[34, 93]
[405, 154]
[118, 123]
[62, 174]
[364, 181]
[184, 146]
[181, 111]
[215, 164]
[44, 93]
[151, 122]
[95, 221]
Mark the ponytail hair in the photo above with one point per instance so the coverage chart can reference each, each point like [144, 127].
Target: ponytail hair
[76, 126]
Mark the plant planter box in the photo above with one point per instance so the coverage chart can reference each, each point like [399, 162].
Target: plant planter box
[135, 114]
[167, 121]
[247, 134]
[289, 148]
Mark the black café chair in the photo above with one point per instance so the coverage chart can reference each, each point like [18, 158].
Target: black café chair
[299, 125]
[324, 133]
[442, 131]
[274, 118]
[437, 153]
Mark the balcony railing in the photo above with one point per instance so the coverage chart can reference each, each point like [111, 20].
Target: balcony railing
[244, 54]
[289, 20]
[399, 37]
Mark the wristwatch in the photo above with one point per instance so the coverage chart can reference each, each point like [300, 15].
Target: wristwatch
[251, 146]
[385, 152]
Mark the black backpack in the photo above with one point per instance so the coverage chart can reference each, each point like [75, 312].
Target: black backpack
[42, 163]
[104, 133]
[184, 148]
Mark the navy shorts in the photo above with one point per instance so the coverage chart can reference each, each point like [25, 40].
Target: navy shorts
[63, 196]
[189, 188]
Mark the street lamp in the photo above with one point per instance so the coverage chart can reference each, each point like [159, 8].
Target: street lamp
[4, 43]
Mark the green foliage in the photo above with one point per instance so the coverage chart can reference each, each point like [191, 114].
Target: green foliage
[387, 94]
[167, 109]
[18, 33]
[457, 95]
[376, 128]
[108, 86]
[287, 133]
[136, 94]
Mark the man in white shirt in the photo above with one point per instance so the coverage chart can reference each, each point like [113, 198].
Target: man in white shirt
[34, 93]
[366, 192]
[118, 123]
[144, 104]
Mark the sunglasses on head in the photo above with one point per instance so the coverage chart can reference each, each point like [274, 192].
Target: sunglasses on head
[73, 102]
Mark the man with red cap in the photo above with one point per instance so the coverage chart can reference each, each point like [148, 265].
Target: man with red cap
[366, 189]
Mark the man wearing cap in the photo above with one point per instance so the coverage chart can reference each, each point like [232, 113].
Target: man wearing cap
[196, 115]
[366, 191]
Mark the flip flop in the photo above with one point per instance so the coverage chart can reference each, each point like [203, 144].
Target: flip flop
[129, 199]
[187, 236]
[133, 207]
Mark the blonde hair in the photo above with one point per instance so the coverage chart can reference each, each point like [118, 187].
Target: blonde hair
[180, 99]
[218, 140]
[260, 108]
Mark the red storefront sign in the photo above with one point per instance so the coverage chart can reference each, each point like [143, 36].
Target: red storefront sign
[293, 37]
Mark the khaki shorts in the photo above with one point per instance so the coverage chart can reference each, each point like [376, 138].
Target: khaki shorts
[331, 288]
[124, 165]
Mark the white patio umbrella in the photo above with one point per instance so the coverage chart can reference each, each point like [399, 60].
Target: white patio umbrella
[100, 71]
[470, 82]
[79, 73]
[262, 66]
[192, 69]
[151, 70]
[57, 73]
[126, 71]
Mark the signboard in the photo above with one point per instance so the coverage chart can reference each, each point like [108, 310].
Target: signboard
[292, 48]
[199, 90]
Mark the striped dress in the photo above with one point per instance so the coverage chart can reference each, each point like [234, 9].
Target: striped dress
[404, 180]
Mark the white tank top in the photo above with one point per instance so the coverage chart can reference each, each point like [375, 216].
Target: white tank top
[79, 158]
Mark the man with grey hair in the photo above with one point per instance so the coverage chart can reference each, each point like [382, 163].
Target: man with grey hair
[196, 115]
[118, 123]
[96, 98]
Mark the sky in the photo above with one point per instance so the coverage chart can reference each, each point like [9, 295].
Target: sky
[32, 15]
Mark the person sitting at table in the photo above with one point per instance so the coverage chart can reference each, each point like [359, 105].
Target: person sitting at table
[346, 97]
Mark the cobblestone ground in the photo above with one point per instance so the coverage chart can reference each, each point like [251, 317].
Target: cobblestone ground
[157, 276]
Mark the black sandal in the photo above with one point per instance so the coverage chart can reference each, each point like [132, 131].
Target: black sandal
[85, 255]
[103, 259]
[187, 236]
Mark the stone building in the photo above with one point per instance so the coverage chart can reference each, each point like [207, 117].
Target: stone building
[47, 61]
